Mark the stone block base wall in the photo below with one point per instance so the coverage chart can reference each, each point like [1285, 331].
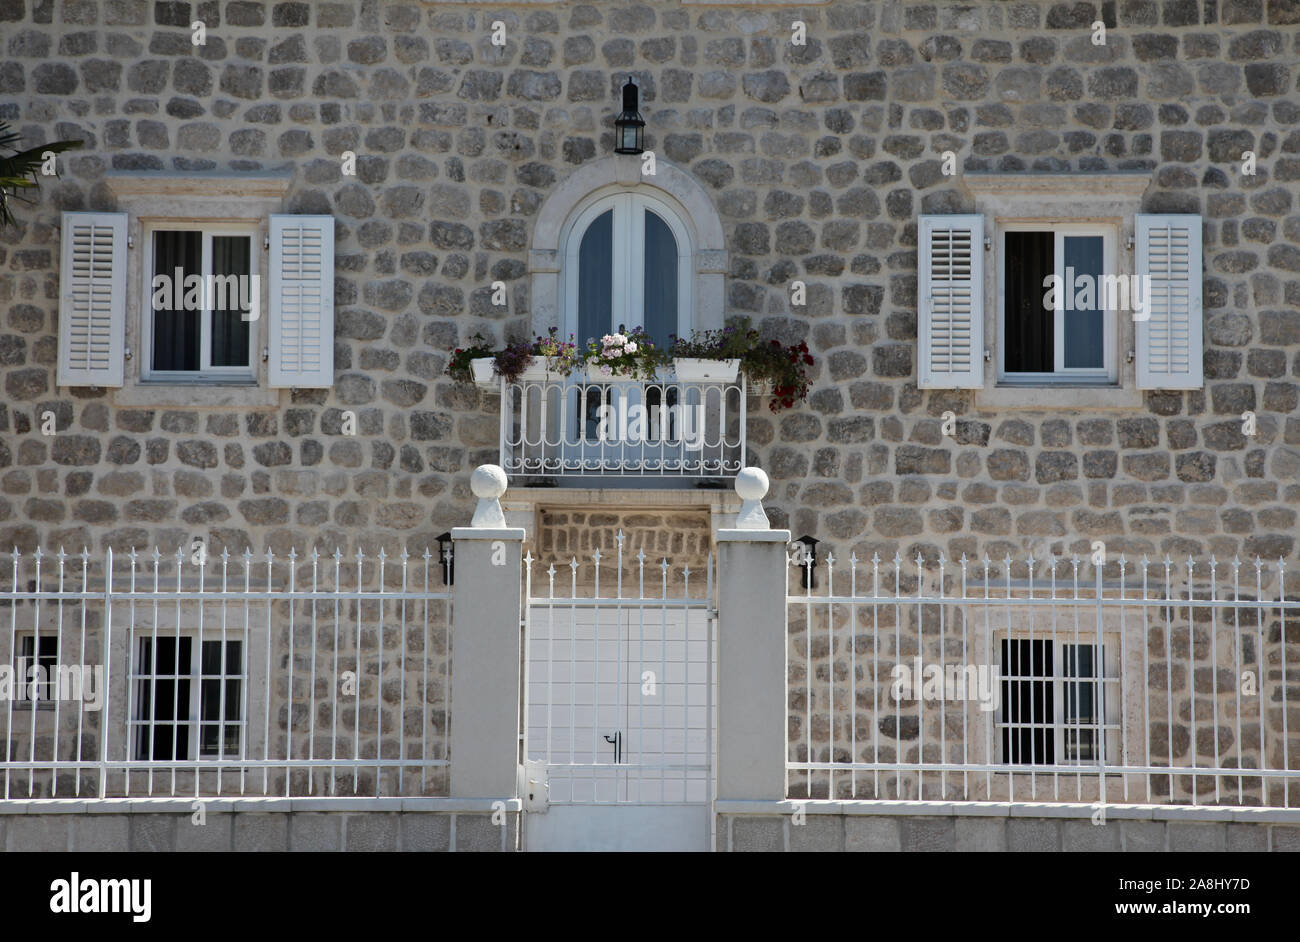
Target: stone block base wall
[999, 826]
[276, 824]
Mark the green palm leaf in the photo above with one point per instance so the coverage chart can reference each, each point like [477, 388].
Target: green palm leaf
[22, 170]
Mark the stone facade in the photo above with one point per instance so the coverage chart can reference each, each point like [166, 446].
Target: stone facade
[257, 825]
[818, 158]
[998, 828]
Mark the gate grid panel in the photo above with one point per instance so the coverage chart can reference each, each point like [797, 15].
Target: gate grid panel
[619, 690]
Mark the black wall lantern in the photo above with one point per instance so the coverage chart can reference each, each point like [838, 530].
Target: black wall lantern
[629, 126]
[807, 559]
[445, 556]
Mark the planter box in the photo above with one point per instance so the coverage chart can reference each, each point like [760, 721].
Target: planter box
[695, 370]
[594, 375]
[538, 373]
[482, 369]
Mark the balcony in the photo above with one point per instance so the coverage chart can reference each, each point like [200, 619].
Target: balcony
[683, 425]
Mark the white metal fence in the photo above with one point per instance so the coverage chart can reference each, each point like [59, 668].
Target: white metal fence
[1050, 680]
[190, 674]
[575, 428]
[620, 687]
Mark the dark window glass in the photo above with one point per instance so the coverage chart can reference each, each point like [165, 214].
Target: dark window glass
[1084, 329]
[231, 286]
[47, 661]
[163, 699]
[596, 278]
[660, 280]
[176, 256]
[1027, 702]
[1028, 324]
[218, 738]
[1081, 702]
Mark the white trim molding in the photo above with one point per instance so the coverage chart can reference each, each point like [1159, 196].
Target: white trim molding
[1107, 198]
[669, 183]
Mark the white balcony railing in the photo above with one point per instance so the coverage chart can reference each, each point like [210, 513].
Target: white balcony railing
[554, 426]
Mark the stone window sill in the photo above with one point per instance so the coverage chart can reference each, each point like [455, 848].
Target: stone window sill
[196, 395]
[1058, 398]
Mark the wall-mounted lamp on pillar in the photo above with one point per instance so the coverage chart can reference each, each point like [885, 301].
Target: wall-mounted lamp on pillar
[445, 556]
[629, 126]
[805, 550]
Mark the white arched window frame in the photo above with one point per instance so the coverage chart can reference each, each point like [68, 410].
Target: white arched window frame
[627, 284]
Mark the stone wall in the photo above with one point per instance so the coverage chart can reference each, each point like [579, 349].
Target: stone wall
[260, 825]
[992, 827]
[818, 158]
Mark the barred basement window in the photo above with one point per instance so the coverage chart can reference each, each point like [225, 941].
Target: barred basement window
[201, 300]
[187, 709]
[47, 660]
[1059, 703]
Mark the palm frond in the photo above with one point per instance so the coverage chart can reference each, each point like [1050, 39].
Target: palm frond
[21, 171]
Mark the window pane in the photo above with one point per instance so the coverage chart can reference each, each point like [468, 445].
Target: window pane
[1028, 717]
[1084, 319]
[163, 699]
[47, 661]
[231, 292]
[660, 280]
[176, 256]
[1028, 324]
[595, 278]
[218, 739]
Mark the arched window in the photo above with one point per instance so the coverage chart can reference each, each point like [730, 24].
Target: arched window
[627, 264]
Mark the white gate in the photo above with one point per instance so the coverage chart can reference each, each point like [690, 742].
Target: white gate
[619, 709]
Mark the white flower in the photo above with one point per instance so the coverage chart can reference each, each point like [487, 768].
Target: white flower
[630, 347]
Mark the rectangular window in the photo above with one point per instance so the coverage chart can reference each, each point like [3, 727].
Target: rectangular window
[188, 699]
[1059, 294]
[1055, 700]
[201, 291]
[47, 660]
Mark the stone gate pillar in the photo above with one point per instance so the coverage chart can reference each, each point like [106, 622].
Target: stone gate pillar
[752, 566]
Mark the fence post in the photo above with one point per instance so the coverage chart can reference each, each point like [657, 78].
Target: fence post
[484, 713]
[752, 650]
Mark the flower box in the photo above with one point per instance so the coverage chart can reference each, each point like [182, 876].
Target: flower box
[698, 370]
[483, 371]
[537, 372]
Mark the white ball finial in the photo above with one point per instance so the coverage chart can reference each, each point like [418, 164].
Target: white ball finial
[752, 484]
[751, 487]
[488, 482]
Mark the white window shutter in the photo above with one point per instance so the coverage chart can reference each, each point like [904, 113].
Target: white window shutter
[301, 348]
[950, 302]
[1169, 340]
[92, 299]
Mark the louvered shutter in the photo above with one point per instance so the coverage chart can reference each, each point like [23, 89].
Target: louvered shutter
[1169, 340]
[950, 302]
[92, 299]
[301, 348]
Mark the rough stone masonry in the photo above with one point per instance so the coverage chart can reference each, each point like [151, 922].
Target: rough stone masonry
[818, 158]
